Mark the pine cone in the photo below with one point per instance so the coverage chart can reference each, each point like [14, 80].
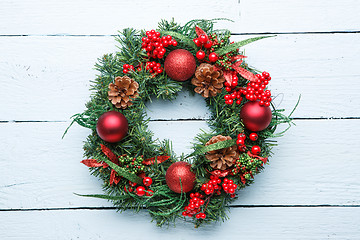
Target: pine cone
[221, 158]
[123, 91]
[208, 82]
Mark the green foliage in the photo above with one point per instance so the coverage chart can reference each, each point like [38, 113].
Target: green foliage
[164, 205]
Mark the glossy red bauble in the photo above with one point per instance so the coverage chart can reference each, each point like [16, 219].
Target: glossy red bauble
[177, 171]
[112, 126]
[180, 65]
[255, 117]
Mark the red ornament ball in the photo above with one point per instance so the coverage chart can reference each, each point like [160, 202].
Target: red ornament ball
[180, 65]
[112, 126]
[177, 171]
[255, 117]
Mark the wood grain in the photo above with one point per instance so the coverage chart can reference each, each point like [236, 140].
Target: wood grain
[49, 76]
[244, 223]
[311, 165]
[81, 17]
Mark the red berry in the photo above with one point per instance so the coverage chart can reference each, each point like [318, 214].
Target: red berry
[203, 38]
[241, 136]
[149, 193]
[208, 45]
[238, 102]
[228, 89]
[213, 57]
[197, 42]
[227, 97]
[200, 55]
[234, 83]
[230, 101]
[126, 66]
[253, 136]
[140, 191]
[266, 74]
[133, 184]
[147, 181]
[125, 71]
[255, 150]
[174, 43]
[240, 141]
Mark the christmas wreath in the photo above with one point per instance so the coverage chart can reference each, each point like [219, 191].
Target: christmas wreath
[141, 172]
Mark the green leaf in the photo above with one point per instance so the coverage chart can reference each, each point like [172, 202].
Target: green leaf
[121, 197]
[188, 41]
[214, 146]
[122, 172]
[234, 46]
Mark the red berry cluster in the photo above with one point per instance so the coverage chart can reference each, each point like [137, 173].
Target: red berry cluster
[194, 206]
[155, 45]
[241, 142]
[212, 186]
[256, 90]
[127, 68]
[204, 41]
[253, 91]
[234, 96]
[229, 187]
[140, 190]
[154, 67]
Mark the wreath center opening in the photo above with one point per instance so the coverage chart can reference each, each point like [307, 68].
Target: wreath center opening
[178, 120]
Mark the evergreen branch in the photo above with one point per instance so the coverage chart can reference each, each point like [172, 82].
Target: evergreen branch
[102, 196]
[214, 146]
[234, 46]
[130, 176]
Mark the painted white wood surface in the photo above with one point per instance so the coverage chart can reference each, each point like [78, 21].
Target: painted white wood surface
[303, 170]
[53, 75]
[46, 78]
[82, 17]
[246, 223]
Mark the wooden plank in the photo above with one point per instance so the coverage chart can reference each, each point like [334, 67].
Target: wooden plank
[48, 77]
[36, 17]
[244, 223]
[313, 165]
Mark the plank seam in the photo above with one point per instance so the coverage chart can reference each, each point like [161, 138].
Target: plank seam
[190, 119]
[235, 34]
[232, 206]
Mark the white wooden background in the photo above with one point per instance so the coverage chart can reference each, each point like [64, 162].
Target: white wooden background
[310, 190]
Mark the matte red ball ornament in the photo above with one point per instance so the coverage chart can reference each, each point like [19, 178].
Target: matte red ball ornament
[180, 65]
[112, 126]
[255, 117]
[180, 170]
